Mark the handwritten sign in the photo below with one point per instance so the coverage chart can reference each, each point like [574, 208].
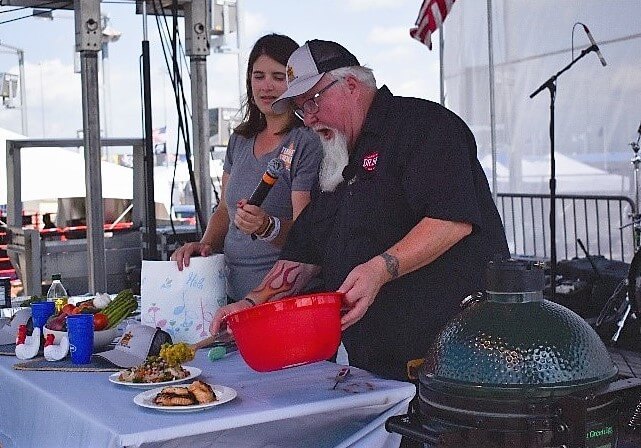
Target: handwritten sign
[182, 303]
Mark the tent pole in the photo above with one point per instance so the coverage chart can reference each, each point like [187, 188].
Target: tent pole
[490, 50]
[441, 47]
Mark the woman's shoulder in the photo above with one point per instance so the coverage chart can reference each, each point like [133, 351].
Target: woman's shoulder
[236, 139]
[238, 147]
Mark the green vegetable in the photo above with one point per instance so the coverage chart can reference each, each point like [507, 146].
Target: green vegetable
[120, 307]
[32, 299]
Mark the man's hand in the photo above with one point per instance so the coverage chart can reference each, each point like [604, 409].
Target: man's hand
[184, 253]
[361, 287]
[250, 219]
[222, 312]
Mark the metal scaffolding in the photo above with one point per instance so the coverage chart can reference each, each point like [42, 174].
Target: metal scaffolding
[88, 42]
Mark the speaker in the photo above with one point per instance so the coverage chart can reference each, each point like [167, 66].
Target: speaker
[597, 279]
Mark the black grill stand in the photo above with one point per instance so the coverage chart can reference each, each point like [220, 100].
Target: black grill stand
[584, 419]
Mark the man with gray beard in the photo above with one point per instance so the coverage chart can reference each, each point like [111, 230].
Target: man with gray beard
[335, 159]
[403, 222]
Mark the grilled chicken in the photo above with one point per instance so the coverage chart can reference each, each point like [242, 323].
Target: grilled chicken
[202, 391]
[168, 399]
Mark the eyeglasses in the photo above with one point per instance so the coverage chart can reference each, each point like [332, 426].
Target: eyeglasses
[311, 106]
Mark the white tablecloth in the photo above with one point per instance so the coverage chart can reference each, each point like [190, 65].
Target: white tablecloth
[289, 408]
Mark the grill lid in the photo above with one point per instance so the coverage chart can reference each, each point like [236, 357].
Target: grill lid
[516, 343]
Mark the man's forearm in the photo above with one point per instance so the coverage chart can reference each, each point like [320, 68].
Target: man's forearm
[427, 241]
[286, 278]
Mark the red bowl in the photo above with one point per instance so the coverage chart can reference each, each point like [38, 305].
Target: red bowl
[288, 332]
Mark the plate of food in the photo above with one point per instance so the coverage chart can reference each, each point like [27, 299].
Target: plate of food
[195, 397]
[156, 376]
[162, 370]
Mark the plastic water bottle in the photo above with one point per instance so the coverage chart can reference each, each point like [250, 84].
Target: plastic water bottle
[57, 293]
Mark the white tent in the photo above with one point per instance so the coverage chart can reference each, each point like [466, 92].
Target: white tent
[489, 84]
[502, 171]
[52, 173]
[572, 176]
[163, 176]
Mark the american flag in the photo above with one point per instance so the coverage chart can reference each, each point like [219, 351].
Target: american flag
[159, 136]
[430, 18]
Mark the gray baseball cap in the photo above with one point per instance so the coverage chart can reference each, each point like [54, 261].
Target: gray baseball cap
[137, 342]
[307, 65]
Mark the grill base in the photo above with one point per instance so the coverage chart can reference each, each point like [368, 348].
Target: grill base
[584, 419]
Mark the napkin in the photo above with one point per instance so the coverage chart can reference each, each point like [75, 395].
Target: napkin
[182, 303]
[9, 331]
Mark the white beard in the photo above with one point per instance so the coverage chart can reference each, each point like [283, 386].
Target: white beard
[335, 158]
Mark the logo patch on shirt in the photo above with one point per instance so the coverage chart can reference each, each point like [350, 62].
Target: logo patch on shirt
[369, 161]
[287, 154]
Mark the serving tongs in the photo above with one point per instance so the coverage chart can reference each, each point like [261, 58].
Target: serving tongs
[341, 376]
[219, 345]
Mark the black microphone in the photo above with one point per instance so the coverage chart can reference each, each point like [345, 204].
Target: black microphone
[592, 41]
[349, 171]
[275, 168]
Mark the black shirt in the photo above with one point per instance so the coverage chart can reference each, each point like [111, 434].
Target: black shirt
[413, 159]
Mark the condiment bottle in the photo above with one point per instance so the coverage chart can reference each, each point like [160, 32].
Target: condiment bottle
[57, 293]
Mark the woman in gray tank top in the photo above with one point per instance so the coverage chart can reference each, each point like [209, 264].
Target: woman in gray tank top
[250, 236]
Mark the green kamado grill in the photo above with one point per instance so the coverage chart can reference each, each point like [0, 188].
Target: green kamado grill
[515, 369]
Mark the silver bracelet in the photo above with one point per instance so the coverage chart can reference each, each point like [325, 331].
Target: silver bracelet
[274, 233]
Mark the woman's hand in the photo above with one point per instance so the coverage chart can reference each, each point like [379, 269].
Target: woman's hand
[184, 253]
[250, 219]
[222, 312]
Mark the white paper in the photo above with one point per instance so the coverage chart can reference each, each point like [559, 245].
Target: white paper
[182, 303]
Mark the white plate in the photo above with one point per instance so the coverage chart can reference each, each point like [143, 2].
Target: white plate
[146, 400]
[194, 372]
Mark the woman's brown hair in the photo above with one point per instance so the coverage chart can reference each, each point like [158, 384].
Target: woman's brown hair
[278, 47]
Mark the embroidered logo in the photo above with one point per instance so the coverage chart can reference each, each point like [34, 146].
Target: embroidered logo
[125, 339]
[369, 161]
[290, 73]
[287, 154]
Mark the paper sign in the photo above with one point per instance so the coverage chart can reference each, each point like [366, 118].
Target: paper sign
[182, 303]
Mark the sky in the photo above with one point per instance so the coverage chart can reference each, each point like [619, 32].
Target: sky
[376, 31]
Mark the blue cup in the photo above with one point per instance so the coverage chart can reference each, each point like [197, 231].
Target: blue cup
[80, 333]
[40, 312]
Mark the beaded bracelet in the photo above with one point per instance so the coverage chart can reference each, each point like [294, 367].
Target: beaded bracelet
[266, 231]
[260, 232]
[273, 230]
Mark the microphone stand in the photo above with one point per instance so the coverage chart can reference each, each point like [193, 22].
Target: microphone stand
[550, 84]
[636, 217]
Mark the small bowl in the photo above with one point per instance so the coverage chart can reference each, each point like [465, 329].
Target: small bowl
[101, 339]
[288, 332]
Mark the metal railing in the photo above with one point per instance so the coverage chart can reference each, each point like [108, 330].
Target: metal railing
[31, 258]
[602, 223]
